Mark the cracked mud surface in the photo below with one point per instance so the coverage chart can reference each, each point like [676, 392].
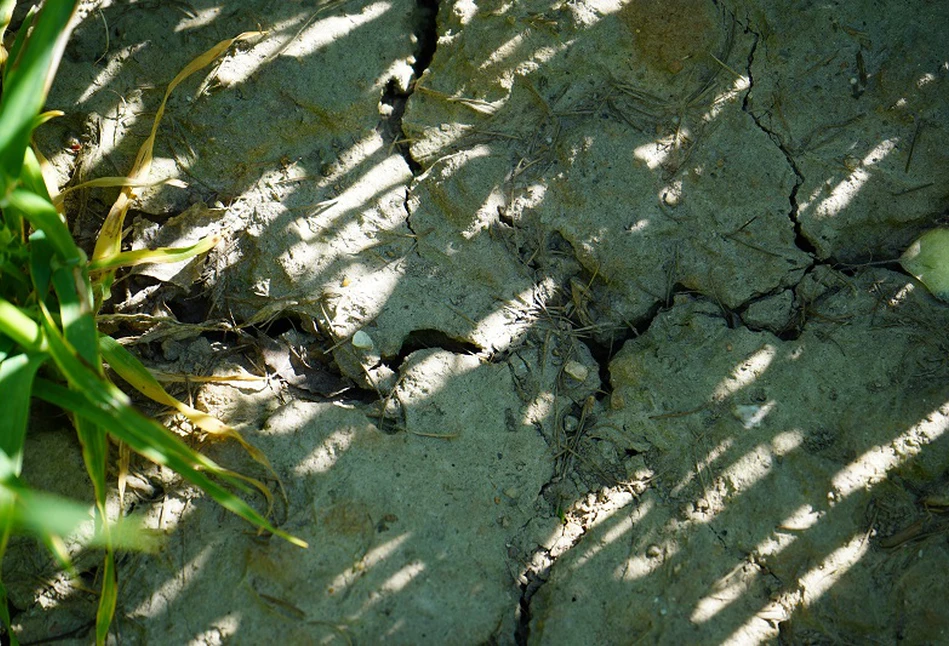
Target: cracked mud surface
[632, 365]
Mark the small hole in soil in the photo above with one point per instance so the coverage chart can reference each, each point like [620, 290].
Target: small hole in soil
[190, 309]
[425, 339]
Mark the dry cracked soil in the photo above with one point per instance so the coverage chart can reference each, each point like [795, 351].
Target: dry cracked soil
[570, 322]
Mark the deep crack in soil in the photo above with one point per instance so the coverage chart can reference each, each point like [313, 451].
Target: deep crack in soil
[800, 240]
[425, 34]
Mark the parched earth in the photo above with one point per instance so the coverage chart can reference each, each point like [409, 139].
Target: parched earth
[569, 322]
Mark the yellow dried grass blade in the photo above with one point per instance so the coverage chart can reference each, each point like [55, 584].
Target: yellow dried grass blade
[49, 177]
[178, 378]
[111, 182]
[57, 547]
[93, 398]
[110, 236]
[43, 117]
[138, 376]
[125, 456]
[163, 255]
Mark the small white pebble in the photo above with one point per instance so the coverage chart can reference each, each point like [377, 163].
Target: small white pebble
[576, 370]
[362, 341]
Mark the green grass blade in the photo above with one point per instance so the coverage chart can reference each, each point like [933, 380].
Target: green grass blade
[74, 292]
[135, 374]
[50, 518]
[31, 176]
[16, 382]
[153, 441]
[107, 600]
[14, 231]
[79, 327]
[5, 614]
[75, 312]
[13, 282]
[6, 14]
[95, 454]
[44, 514]
[86, 379]
[43, 215]
[26, 81]
[21, 328]
[41, 263]
[7, 500]
[22, 514]
[20, 37]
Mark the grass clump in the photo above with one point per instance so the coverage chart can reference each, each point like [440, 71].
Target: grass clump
[50, 348]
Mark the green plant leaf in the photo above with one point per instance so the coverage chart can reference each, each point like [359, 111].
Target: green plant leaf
[74, 292]
[96, 399]
[40, 513]
[21, 328]
[20, 38]
[131, 370]
[27, 77]
[156, 443]
[41, 264]
[14, 282]
[43, 216]
[928, 260]
[31, 176]
[39, 325]
[7, 500]
[6, 13]
[107, 599]
[16, 382]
